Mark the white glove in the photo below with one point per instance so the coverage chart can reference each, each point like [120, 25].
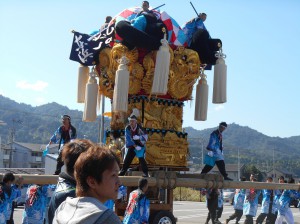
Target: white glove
[136, 137]
[210, 153]
[138, 148]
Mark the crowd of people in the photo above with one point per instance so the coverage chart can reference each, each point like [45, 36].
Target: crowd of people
[275, 204]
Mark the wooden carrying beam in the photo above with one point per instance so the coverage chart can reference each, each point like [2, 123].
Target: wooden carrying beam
[169, 180]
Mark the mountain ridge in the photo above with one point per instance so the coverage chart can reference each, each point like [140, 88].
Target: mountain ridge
[37, 124]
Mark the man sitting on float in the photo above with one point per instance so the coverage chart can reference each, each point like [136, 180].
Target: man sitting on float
[144, 31]
[199, 39]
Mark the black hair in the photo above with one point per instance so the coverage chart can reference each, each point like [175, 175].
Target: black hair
[243, 178]
[108, 19]
[8, 177]
[223, 124]
[142, 183]
[291, 180]
[146, 2]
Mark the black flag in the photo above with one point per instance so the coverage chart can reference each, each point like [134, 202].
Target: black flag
[86, 48]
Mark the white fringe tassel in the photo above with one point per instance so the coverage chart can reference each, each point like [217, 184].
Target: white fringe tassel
[120, 98]
[162, 69]
[91, 95]
[220, 80]
[201, 101]
[83, 77]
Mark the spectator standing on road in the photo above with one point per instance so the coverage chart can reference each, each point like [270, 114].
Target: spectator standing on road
[238, 204]
[138, 207]
[64, 134]
[97, 180]
[215, 151]
[66, 185]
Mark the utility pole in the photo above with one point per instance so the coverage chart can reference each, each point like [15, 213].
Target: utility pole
[273, 163]
[239, 171]
[12, 139]
[101, 132]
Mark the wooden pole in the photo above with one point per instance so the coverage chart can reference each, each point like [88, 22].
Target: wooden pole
[171, 181]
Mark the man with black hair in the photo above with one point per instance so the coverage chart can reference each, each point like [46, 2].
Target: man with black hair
[107, 20]
[212, 205]
[284, 211]
[8, 193]
[135, 145]
[144, 31]
[64, 134]
[215, 152]
[200, 41]
[268, 204]
[137, 210]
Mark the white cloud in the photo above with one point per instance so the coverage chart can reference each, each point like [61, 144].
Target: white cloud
[37, 86]
[219, 107]
[1, 92]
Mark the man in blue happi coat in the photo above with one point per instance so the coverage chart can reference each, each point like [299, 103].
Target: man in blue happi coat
[215, 151]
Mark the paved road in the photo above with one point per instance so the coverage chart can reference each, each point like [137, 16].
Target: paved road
[196, 212]
[187, 213]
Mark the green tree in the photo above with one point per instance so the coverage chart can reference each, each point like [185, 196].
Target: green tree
[251, 169]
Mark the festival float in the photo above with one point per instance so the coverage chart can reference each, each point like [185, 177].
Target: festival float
[150, 72]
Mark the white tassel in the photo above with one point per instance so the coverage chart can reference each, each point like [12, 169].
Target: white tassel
[162, 69]
[220, 79]
[120, 98]
[91, 95]
[201, 101]
[83, 77]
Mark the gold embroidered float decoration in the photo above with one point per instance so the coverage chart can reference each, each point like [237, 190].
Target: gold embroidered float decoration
[162, 115]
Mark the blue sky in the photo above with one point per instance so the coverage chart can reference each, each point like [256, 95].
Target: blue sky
[260, 39]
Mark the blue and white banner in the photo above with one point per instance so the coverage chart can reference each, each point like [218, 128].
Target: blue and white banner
[86, 48]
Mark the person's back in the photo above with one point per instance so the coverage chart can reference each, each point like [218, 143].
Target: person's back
[35, 204]
[137, 210]
[84, 210]
[66, 187]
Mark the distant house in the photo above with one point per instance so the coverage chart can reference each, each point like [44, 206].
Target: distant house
[24, 155]
[232, 170]
[276, 173]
